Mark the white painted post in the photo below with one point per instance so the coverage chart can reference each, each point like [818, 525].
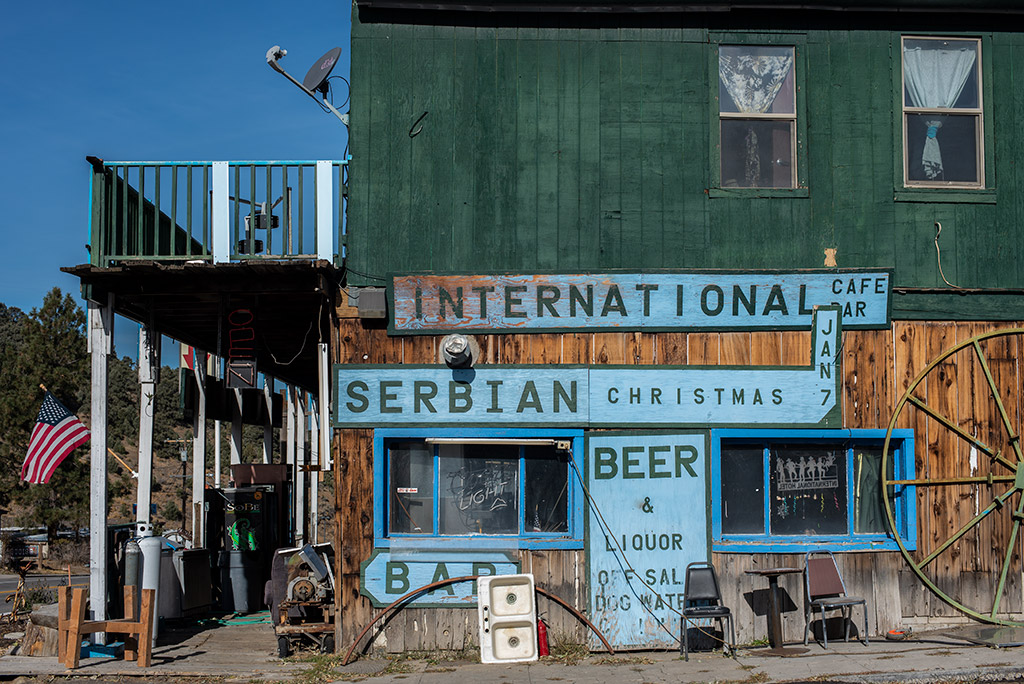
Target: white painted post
[236, 428]
[325, 210]
[149, 360]
[289, 402]
[314, 477]
[268, 426]
[324, 405]
[300, 472]
[199, 455]
[216, 433]
[101, 335]
[220, 222]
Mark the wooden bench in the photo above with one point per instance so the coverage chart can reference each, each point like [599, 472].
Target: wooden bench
[137, 630]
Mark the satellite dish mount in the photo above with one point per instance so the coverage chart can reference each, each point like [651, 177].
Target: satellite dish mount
[316, 78]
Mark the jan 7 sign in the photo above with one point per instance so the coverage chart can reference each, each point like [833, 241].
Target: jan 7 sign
[647, 520]
[695, 300]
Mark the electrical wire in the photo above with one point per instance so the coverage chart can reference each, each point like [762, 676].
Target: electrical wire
[938, 256]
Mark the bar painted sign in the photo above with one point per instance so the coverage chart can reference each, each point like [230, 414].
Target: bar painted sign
[696, 300]
[387, 576]
[598, 396]
[649, 522]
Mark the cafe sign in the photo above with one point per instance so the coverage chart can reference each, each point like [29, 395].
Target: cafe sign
[691, 300]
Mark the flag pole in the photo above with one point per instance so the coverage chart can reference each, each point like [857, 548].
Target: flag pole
[43, 387]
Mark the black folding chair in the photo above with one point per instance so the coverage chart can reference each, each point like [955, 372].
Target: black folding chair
[825, 590]
[702, 600]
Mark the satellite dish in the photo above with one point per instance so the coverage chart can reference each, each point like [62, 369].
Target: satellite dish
[316, 77]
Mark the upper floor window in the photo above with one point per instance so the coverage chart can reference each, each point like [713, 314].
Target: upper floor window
[942, 113]
[757, 116]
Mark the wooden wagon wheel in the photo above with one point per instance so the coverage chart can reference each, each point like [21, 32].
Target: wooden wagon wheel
[969, 488]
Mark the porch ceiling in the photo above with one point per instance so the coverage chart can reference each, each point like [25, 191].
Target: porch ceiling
[192, 302]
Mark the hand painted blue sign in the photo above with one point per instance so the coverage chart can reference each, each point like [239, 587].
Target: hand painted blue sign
[706, 300]
[600, 396]
[649, 522]
[387, 576]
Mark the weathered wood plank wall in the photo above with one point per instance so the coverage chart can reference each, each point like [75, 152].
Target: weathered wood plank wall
[878, 366]
[564, 144]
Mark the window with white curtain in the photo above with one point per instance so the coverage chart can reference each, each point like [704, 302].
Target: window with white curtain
[942, 112]
[757, 115]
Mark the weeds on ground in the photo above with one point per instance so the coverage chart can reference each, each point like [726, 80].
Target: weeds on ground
[565, 649]
[624, 660]
[323, 668]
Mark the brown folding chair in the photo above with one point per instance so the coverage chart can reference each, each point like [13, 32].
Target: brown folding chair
[825, 590]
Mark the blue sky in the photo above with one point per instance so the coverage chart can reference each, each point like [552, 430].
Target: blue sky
[144, 81]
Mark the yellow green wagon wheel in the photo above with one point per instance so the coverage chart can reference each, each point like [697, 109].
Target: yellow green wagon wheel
[968, 479]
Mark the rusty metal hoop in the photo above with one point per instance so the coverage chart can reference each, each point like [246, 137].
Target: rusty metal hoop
[1004, 468]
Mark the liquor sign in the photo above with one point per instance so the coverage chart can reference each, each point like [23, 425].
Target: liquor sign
[598, 396]
[646, 521]
[696, 300]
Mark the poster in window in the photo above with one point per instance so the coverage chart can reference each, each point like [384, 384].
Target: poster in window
[808, 491]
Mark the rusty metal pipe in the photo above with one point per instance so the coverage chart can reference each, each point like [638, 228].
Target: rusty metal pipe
[468, 578]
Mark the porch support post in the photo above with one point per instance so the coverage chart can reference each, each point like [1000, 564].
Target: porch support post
[199, 455]
[300, 468]
[314, 475]
[101, 335]
[149, 363]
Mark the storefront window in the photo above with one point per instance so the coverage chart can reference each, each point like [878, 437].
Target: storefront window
[799, 488]
[446, 484]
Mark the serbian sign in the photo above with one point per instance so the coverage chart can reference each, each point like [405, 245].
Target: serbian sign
[598, 396]
[698, 300]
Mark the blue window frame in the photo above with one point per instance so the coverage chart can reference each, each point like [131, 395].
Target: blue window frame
[486, 488]
[787, 491]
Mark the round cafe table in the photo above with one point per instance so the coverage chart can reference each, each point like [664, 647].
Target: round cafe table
[775, 640]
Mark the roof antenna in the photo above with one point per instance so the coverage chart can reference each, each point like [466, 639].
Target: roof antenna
[316, 78]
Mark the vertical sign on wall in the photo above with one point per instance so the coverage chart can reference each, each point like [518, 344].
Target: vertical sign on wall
[651, 490]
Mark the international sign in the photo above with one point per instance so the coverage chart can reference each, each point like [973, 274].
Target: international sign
[598, 396]
[696, 300]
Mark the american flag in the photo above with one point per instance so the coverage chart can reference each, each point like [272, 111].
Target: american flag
[56, 435]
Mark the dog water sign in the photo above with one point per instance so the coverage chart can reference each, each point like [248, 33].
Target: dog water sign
[647, 520]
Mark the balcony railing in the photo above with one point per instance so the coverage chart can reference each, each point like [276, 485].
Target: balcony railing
[216, 211]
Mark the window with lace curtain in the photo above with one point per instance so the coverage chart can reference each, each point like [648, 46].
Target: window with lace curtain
[942, 112]
[757, 116]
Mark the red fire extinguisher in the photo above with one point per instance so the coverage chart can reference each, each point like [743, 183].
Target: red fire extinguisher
[542, 638]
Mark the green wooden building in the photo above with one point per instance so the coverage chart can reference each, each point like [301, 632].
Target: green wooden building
[507, 156]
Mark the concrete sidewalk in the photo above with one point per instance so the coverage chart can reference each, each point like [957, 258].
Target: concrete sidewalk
[247, 652]
[931, 658]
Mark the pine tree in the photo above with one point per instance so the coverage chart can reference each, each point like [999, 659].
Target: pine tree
[53, 352]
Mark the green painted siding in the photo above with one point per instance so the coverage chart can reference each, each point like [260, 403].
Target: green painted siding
[584, 148]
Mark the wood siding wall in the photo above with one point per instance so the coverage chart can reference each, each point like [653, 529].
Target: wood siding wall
[481, 147]
[877, 368]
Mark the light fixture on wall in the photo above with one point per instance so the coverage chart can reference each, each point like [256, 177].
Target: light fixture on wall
[457, 351]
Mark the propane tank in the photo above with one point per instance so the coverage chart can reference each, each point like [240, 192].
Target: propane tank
[151, 548]
[542, 638]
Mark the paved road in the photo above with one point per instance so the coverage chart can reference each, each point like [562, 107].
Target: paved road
[8, 583]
